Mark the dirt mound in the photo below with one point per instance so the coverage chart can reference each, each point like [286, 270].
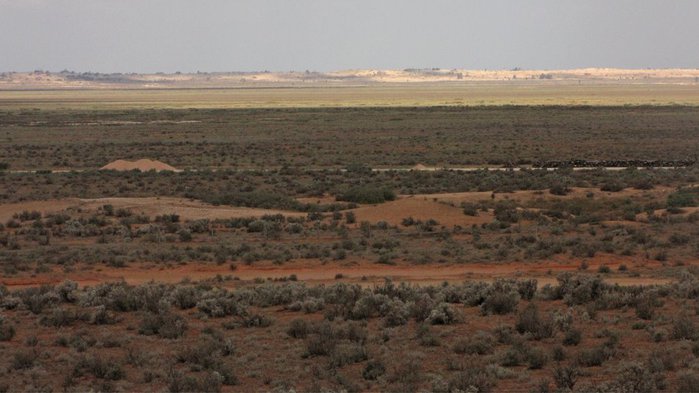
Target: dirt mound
[419, 167]
[143, 165]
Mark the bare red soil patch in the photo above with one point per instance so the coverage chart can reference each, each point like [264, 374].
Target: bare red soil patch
[419, 208]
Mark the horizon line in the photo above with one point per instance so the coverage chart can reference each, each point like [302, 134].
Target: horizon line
[405, 69]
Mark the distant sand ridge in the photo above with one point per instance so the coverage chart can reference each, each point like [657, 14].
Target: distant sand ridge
[76, 80]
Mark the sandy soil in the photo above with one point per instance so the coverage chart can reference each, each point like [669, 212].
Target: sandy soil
[7, 210]
[442, 207]
[445, 208]
[143, 165]
[423, 208]
[151, 206]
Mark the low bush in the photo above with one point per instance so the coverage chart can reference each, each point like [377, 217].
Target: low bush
[259, 198]
[474, 378]
[177, 382]
[536, 358]
[257, 320]
[408, 372]
[323, 341]
[558, 353]
[529, 321]
[635, 377]
[499, 302]
[645, 307]
[513, 357]
[184, 296]
[367, 194]
[373, 370]
[566, 377]
[395, 313]
[576, 289]
[595, 356]
[23, 360]
[7, 331]
[426, 336]
[560, 189]
[612, 186]
[470, 209]
[348, 353]
[298, 328]
[683, 328]
[164, 324]
[592, 357]
[61, 317]
[443, 314]
[479, 344]
[572, 337]
[219, 304]
[684, 197]
[319, 345]
[99, 367]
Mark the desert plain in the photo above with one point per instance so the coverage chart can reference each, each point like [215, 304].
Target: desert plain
[413, 230]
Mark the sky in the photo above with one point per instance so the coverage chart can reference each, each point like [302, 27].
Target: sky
[326, 35]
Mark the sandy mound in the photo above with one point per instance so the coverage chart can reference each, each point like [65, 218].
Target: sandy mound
[143, 165]
[419, 167]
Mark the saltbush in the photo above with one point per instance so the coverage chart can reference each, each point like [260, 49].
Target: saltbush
[165, 324]
[367, 194]
[529, 321]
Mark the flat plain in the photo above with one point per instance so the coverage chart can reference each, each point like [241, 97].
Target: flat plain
[331, 138]
[316, 239]
[370, 95]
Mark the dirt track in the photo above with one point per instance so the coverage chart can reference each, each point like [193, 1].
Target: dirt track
[315, 272]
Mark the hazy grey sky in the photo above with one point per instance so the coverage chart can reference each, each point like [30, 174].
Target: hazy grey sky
[243, 35]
